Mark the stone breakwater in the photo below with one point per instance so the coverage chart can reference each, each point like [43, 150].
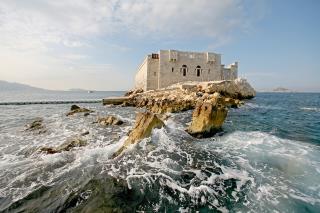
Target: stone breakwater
[209, 100]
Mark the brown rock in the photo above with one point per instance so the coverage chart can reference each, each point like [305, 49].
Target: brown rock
[145, 123]
[67, 146]
[207, 119]
[76, 109]
[134, 91]
[231, 102]
[85, 133]
[36, 126]
[109, 120]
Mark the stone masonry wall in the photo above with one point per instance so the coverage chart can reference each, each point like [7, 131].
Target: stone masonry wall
[167, 68]
[141, 75]
[171, 70]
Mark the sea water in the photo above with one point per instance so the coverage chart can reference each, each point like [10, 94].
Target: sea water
[267, 159]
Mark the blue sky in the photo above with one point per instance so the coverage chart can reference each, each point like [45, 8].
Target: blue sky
[98, 44]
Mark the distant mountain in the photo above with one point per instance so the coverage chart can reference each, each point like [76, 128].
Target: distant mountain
[281, 89]
[80, 90]
[10, 86]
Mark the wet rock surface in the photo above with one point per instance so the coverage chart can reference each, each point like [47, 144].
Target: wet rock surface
[76, 109]
[145, 123]
[109, 120]
[207, 119]
[36, 126]
[66, 146]
[185, 96]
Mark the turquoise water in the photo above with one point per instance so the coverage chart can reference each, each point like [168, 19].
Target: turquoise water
[265, 160]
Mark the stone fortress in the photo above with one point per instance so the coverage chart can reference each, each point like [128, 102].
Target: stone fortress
[168, 67]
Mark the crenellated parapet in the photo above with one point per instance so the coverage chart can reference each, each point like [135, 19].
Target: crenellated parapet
[229, 72]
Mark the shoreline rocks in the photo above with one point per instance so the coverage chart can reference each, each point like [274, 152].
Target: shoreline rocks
[66, 146]
[36, 126]
[207, 119]
[210, 101]
[109, 120]
[76, 109]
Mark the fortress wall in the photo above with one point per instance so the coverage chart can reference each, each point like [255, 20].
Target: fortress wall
[141, 76]
[176, 59]
[153, 73]
[230, 72]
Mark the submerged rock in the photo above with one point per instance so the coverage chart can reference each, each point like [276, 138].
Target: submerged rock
[145, 123]
[66, 146]
[109, 120]
[36, 126]
[85, 133]
[76, 109]
[207, 119]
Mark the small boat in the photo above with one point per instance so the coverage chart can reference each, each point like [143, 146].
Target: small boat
[90, 91]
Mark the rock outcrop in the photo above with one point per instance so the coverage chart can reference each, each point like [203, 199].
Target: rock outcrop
[207, 119]
[67, 146]
[36, 126]
[211, 100]
[109, 120]
[133, 91]
[238, 88]
[76, 109]
[184, 96]
[145, 123]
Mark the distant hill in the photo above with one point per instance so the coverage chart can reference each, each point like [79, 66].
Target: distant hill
[80, 90]
[10, 86]
[281, 89]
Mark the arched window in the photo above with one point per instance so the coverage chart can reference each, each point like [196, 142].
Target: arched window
[198, 70]
[184, 70]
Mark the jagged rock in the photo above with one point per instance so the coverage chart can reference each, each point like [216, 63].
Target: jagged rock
[145, 123]
[231, 102]
[67, 146]
[238, 88]
[109, 120]
[134, 91]
[244, 88]
[164, 106]
[76, 109]
[36, 126]
[184, 96]
[207, 119]
[115, 100]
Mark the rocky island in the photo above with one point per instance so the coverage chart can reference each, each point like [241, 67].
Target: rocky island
[208, 100]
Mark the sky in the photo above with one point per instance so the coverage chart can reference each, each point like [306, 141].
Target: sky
[98, 44]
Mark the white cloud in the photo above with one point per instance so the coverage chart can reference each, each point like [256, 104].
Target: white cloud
[67, 22]
[51, 32]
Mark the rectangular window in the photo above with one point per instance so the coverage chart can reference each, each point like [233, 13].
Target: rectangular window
[155, 73]
[172, 69]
